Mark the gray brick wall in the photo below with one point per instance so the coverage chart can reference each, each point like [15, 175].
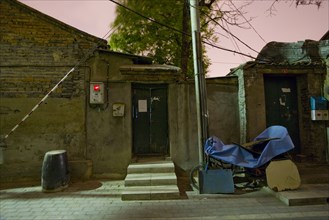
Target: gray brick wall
[37, 51]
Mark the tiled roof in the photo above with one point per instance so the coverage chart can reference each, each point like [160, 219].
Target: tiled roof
[302, 52]
[150, 68]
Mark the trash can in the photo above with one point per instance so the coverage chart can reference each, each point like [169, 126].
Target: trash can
[55, 174]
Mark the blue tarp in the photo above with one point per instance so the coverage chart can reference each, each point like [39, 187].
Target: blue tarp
[237, 155]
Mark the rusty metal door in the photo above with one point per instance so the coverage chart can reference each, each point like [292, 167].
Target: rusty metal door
[282, 105]
[150, 119]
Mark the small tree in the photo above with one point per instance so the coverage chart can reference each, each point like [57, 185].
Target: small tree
[161, 29]
[168, 40]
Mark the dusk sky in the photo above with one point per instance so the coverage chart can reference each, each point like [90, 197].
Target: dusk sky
[289, 24]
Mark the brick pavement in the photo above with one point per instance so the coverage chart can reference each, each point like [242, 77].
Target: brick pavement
[101, 200]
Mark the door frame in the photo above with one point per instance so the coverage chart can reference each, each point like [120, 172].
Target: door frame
[149, 86]
[297, 143]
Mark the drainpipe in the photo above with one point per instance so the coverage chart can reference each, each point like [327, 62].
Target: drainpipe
[199, 77]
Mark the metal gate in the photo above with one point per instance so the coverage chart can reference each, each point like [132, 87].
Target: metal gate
[282, 105]
[150, 119]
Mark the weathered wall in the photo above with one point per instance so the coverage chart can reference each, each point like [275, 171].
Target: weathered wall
[36, 52]
[324, 52]
[58, 124]
[316, 138]
[182, 125]
[242, 105]
[109, 139]
[309, 78]
[326, 95]
[303, 60]
[254, 102]
[223, 109]
[222, 105]
[109, 142]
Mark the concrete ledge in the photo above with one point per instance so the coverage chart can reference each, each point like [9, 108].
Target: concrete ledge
[163, 167]
[307, 194]
[150, 193]
[154, 179]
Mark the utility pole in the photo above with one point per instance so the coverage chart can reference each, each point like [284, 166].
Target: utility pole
[199, 78]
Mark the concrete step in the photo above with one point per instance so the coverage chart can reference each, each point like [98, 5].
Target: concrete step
[150, 179]
[166, 192]
[313, 173]
[307, 194]
[154, 180]
[321, 178]
[152, 167]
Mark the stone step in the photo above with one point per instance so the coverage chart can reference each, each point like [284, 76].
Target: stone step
[154, 180]
[166, 192]
[321, 178]
[307, 194]
[153, 167]
[150, 179]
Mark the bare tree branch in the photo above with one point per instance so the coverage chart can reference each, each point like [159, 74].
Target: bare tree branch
[206, 3]
[309, 2]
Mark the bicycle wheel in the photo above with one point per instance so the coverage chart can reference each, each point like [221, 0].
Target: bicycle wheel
[194, 173]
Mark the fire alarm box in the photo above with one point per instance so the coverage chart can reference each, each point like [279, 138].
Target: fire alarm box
[319, 108]
[97, 93]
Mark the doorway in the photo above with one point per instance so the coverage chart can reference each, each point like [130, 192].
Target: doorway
[150, 119]
[282, 105]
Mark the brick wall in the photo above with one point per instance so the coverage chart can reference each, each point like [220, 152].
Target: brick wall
[36, 52]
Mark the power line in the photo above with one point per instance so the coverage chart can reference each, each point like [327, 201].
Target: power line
[230, 33]
[179, 31]
[147, 18]
[229, 50]
[109, 32]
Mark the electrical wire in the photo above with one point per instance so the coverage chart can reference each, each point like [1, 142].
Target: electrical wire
[229, 32]
[147, 18]
[179, 31]
[108, 34]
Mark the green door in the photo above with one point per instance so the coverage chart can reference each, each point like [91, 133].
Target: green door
[282, 105]
[150, 119]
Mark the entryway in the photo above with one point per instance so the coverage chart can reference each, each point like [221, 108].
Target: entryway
[151, 181]
[150, 120]
[282, 105]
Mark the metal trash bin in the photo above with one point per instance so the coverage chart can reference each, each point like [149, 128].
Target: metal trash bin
[55, 174]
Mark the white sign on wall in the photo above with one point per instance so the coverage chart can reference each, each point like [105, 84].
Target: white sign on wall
[142, 105]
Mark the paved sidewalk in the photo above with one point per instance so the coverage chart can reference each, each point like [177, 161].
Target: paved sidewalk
[101, 200]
